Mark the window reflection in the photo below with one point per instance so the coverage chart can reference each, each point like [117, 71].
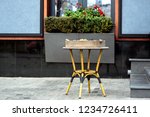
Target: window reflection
[104, 4]
[61, 5]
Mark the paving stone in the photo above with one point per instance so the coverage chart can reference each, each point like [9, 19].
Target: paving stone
[54, 88]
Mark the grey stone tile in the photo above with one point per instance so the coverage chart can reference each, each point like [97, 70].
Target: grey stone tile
[54, 89]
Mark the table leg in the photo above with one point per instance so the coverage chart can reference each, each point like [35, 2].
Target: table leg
[89, 84]
[70, 83]
[88, 68]
[72, 60]
[73, 75]
[101, 87]
[82, 74]
[82, 60]
[88, 63]
[98, 60]
[81, 85]
[97, 75]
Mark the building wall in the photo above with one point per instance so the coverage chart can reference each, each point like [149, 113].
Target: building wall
[25, 57]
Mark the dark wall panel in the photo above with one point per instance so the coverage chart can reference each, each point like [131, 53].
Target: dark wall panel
[27, 59]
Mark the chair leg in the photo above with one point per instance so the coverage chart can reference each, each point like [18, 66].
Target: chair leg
[102, 88]
[68, 88]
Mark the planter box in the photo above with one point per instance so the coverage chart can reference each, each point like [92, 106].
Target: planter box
[55, 41]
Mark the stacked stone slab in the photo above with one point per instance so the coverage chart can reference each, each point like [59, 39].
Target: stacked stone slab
[140, 78]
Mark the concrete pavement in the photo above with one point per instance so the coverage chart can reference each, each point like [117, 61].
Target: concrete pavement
[54, 89]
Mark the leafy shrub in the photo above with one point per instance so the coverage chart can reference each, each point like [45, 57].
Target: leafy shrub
[78, 25]
[83, 20]
[59, 24]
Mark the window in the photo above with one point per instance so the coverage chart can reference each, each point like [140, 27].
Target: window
[21, 18]
[134, 18]
[61, 5]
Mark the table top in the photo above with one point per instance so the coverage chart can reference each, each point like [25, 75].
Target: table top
[86, 48]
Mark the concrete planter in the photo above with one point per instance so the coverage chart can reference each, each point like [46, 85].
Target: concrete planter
[55, 41]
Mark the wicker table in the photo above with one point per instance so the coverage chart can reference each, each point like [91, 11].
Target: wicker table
[85, 73]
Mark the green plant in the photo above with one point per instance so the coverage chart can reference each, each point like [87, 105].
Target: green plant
[59, 24]
[88, 12]
[84, 20]
[80, 25]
